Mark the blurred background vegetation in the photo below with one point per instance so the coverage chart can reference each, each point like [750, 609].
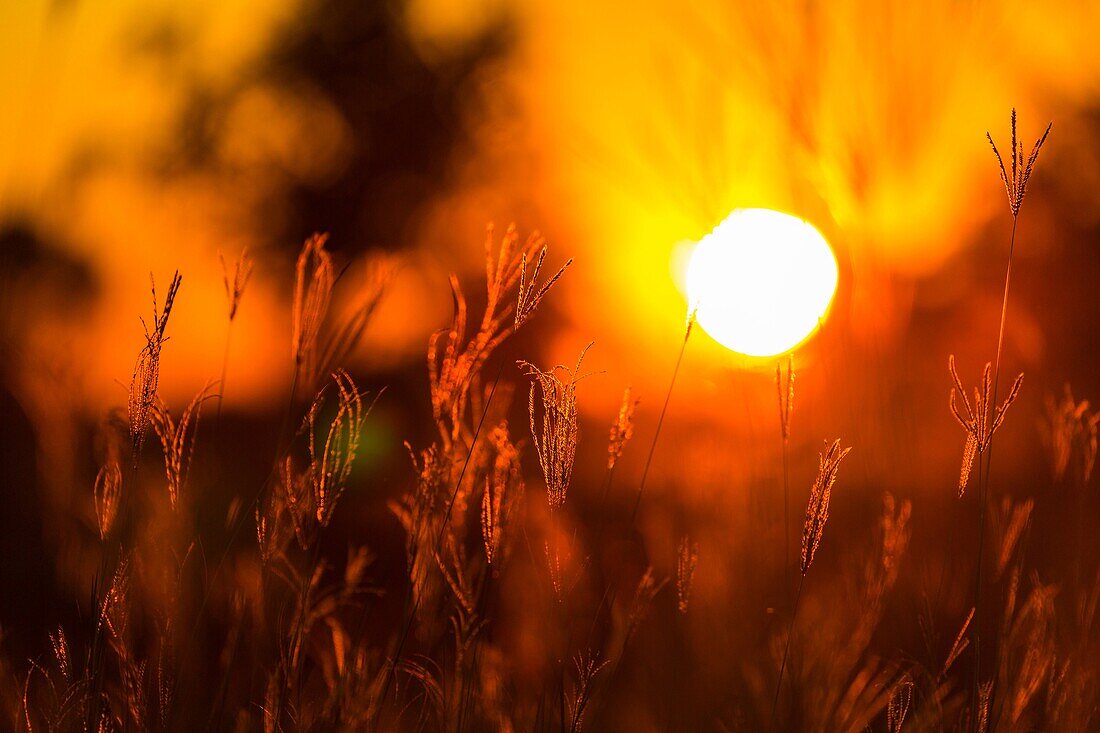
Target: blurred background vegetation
[142, 137]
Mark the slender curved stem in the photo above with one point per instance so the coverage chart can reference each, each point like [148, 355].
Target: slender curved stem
[786, 520]
[786, 652]
[225, 368]
[983, 483]
[1004, 314]
[661, 419]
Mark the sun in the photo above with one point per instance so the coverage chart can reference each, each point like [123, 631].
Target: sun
[762, 281]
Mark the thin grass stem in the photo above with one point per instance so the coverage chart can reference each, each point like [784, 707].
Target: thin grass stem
[786, 652]
[661, 418]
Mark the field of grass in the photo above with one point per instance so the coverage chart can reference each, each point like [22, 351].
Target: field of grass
[500, 582]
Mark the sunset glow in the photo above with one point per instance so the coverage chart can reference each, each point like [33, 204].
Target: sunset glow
[539, 365]
[762, 281]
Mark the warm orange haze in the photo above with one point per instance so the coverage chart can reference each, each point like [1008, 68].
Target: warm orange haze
[549, 366]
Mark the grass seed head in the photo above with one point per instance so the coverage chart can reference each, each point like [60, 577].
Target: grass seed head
[553, 418]
[313, 284]
[647, 589]
[785, 393]
[108, 491]
[962, 641]
[455, 359]
[177, 440]
[901, 699]
[553, 565]
[530, 294]
[622, 430]
[1070, 430]
[234, 288]
[331, 461]
[146, 376]
[979, 419]
[491, 503]
[586, 666]
[817, 510]
[687, 559]
[503, 489]
[1016, 176]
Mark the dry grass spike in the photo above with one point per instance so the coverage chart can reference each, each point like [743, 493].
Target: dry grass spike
[686, 561]
[622, 430]
[647, 589]
[146, 376]
[177, 440]
[313, 283]
[1071, 428]
[901, 699]
[554, 424]
[817, 510]
[785, 391]
[587, 667]
[553, 566]
[331, 461]
[234, 288]
[981, 419]
[492, 501]
[530, 293]
[107, 492]
[455, 359]
[959, 645]
[1016, 181]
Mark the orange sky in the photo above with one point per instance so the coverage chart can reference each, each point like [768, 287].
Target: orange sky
[620, 134]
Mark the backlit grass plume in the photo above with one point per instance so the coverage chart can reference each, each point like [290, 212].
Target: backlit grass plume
[980, 419]
[146, 377]
[622, 430]
[587, 666]
[304, 498]
[785, 391]
[313, 283]
[492, 503]
[177, 440]
[321, 344]
[686, 561]
[234, 288]
[331, 460]
[530, 293]
[108, 488]
[454, 359]
[554, 424]
[817, 510]
[1071, 430]
[503, 489]
[817, 514]
[1015, 177]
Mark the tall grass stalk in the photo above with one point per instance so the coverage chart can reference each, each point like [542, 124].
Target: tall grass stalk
[661, 417]
[983, 476]
[411, 615]
[813, 529]
[786, 407]
[786, 651]
[512, 289]
[234, 289]
[1015, 178]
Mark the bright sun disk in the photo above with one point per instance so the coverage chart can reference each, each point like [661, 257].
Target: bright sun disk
[762, 281]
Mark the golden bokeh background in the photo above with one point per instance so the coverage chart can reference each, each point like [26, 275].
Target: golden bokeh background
[620, 134]
[145, 138]
[148, 137]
